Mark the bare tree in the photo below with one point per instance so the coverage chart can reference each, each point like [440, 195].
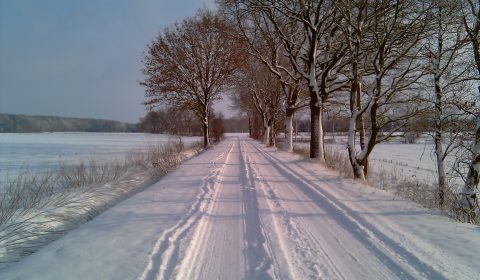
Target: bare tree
[307, 31]
[154, 122]
[450, 73]
[383, 40]
[265, 45]
[159, 121]
[471, 20]
[190, 64]
[260, 92]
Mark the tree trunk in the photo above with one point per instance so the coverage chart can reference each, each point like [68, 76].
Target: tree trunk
[470, 198]
[358, 171]
[440, 171]
[250, 127]
[357, 167]
[289, 130]
[266, 128]
[271, 141]
[355, 120]
[438, 142]
[361, 128]
[206, 136]
[473, 175]
[266, 135]
[316, 131]
[440, 168]
[321, 136]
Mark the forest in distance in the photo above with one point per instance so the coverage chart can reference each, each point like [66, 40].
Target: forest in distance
[15, 123]
[153, 122]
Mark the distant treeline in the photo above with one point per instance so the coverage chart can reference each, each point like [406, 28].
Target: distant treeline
[181, 121]
[24, 123]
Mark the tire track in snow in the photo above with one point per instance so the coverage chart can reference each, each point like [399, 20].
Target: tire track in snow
[197, 245]
[258, 252]
[217, 242]
[305, 257]
[165, 251]
[384, 248]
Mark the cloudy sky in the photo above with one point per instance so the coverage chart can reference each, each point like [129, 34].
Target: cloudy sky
[80, 58]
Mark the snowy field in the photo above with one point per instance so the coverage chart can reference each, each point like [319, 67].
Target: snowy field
[37, 152]
[405, 160]
[408, 161]
[241, 210]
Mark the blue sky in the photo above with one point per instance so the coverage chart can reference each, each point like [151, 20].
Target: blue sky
[80, 58]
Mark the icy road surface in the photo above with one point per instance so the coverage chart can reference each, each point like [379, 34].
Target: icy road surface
[243, 211]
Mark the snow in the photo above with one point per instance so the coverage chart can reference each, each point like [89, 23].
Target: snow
[37, 152]
[409, 161]
[244, 211]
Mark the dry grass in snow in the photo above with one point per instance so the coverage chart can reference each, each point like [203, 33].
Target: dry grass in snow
[36, 209]
[412, 188]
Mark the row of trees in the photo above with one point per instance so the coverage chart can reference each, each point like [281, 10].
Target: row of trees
[170, 120]
[378, 63]
[180, 121]
[23, 123]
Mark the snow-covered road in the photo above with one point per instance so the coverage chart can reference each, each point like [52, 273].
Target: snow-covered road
[244, 211]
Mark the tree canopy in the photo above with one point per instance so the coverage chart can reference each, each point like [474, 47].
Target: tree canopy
[190, 64]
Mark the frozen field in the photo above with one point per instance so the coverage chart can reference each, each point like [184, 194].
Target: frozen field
[36, 152]
[407, 160]
[410, 161]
